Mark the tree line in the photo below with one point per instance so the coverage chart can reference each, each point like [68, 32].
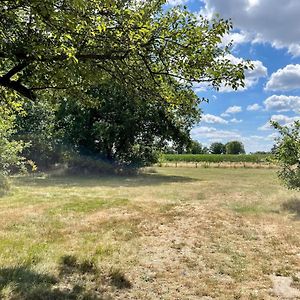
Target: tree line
[195, 147]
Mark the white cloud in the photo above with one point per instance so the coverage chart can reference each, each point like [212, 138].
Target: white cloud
[208, 135]
[251, 76]
[235, 38]
[285, 79]
[281, 119]
[272, 136]
[283, 103]
[276, 22]
[213, 133]
[234, 120]
[232, 110]
[207, 118]
[176, 2]
[254, 107]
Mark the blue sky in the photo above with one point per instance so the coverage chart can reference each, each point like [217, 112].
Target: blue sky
[268, 33]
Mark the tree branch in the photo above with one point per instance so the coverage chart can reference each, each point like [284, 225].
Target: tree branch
[113, 55]
[18, 87]
[16, 69]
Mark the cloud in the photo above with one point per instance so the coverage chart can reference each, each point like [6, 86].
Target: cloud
[234, 120]
[207, 135]
[285, 79]
[176, 2]
[236, 38]
[207, 118]
[275, 22]
[254, 107]
[232, 110]
[283, 103]
[281, 119]
[213, 133]
[251, 76]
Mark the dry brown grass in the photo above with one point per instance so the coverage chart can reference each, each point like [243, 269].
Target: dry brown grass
[180, 233]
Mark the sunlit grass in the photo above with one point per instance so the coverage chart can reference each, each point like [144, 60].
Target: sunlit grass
[211, 232]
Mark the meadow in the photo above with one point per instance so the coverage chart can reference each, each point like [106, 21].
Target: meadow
[169, 233]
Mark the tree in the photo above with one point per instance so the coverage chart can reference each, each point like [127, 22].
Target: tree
[121, 127]
[69, 45]
[195, 148]
[287, 154]
[235, 147]
[217, 148]
[57, 51]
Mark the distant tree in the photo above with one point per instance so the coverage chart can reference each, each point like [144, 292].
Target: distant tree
[195, 148]
[235, 147]
[205, 150]
[287, 154]
[217, 148]
[260, 152]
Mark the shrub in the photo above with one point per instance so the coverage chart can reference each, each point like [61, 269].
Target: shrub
[78, 165]
[287, 154]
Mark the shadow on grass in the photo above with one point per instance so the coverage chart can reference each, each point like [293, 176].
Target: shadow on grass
[293, 206]
[75, 281]
[105, 181]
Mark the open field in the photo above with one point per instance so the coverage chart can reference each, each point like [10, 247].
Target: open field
[178, 233]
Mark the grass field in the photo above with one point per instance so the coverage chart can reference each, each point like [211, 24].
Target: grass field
[178, 233]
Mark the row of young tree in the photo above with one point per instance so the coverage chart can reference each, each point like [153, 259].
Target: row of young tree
[195, 147]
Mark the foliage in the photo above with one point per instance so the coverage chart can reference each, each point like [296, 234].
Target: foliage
[37, 128]
[121, 127]
[76, 43]
[196, 148]
[10, 150]
[217, 148]
[235, 147]
[287, 154]
[216, 158]
[127, 67]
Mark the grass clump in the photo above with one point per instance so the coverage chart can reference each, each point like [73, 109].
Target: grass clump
[70, 264]
[119, 280]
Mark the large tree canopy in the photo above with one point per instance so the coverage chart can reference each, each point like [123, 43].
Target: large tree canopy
[122, 69]
[73, 44]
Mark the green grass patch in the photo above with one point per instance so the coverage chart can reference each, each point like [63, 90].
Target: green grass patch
[91, 205]
[252, 208]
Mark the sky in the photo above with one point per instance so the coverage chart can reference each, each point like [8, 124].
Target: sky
[267, 32]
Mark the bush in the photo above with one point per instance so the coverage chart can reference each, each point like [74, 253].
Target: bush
[287, 154]
[84, 165]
